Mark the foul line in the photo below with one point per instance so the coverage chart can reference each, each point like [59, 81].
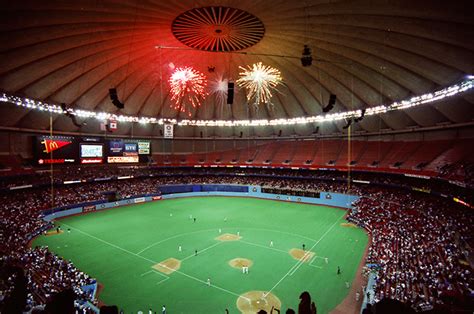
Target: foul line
[145, 273]
[154, 262]
[161, 281]
[209, 247]
[158, 273]
[304, 256]
[163, 275]
[277, 231]
[205, 282]
[278, 250]
[295, 267]
[111, 244]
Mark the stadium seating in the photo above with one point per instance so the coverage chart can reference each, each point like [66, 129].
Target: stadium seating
[247, 155]
[230, 156]
[265, 155]
[374, 152]
[398, 154]
[304, 152]
[284, 153]
[328, 153]
[415, 157]
[457, 152]
[356, 149]
[425, 153]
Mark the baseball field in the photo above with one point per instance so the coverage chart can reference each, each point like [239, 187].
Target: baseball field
[192, 254]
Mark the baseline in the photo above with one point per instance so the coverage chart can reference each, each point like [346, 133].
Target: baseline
[298, 264]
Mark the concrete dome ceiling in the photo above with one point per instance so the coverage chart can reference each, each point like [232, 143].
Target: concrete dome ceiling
[367, 53]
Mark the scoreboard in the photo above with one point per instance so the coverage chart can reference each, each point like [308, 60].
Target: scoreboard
[89, 150]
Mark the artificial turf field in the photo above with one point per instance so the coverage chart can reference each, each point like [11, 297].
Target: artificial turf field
[120, 246]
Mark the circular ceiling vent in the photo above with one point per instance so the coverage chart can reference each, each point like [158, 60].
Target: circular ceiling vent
[218, 29]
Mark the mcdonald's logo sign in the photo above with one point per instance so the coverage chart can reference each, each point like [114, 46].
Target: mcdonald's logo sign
[52, 145]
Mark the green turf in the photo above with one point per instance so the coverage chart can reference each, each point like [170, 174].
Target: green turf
[119, 246]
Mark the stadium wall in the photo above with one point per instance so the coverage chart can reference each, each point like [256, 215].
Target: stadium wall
[326, 198]
[60, 212]
[178, 191]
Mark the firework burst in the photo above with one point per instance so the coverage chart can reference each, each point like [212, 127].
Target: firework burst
[187, 88]
[219, 88]
[259, 81]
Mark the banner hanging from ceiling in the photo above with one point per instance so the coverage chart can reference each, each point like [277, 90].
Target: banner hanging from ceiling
[168, 130]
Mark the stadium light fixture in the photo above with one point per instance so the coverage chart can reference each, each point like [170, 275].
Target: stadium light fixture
[450, 91]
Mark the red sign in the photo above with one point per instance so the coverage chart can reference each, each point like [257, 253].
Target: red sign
[113, 125]
[130, 153]
[91, 160]
[52, 145]
[54, 161]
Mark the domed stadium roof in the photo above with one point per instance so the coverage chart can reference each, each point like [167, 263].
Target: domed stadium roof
[366, 53]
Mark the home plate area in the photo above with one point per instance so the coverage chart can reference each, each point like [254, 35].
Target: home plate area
[253, 301]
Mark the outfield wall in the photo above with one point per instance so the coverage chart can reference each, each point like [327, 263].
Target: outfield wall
[87, 207]
[326, 198]
[178, 191]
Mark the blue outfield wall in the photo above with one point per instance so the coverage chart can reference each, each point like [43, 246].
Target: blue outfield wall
[63, 213]
[90, 208]
[196, 188]
[326, 198]
[177, 191]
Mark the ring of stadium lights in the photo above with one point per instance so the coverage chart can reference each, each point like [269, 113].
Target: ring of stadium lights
[450, 91]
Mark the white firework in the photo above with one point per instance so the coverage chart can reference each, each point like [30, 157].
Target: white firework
[259, 81]
[219, 88]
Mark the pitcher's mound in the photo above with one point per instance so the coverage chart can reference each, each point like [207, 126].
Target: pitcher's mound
[168, 266]
[228, 237]
[300, 255]
[240, 262]
[253, 301]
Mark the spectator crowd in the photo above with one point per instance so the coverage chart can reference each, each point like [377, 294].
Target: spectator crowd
[419, 245]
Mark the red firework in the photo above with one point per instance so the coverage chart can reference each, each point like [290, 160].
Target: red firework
[187, 88]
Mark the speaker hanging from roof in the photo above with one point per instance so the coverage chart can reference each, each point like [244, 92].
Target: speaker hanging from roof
[230, 93]
[306, 57]
[331, 103]
[114, 98]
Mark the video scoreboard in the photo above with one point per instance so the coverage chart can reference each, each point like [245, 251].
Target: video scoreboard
[90, 150]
